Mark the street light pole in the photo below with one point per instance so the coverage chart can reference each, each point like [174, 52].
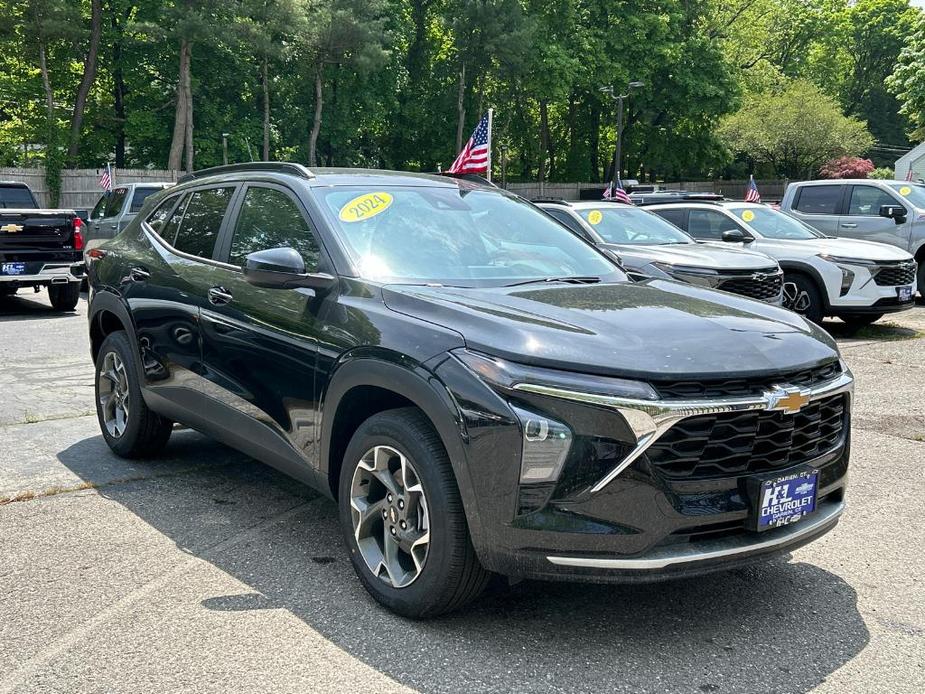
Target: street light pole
[618, 150]
[225, 149]
[504, 166]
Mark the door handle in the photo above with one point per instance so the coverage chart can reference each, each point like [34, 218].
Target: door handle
[847, 225]
[138, 274]
[219, 296]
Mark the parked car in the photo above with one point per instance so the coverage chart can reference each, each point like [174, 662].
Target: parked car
[651, 247]
[890, 212]
[858, 281]
[116, 209]
[39, 247]
[479, 389]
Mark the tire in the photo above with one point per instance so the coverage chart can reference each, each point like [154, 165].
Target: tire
[855, 323]
[142, 433]
[920, 276]
[64, 297]
[804, 297]
[448, 575]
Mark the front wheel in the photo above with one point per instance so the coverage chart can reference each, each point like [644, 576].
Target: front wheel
[403, 519]
[921, 279]
[802, 295]
[64, 297]
[131, 429]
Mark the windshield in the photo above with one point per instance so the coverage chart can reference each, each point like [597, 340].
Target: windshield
[632, 226]
[775, 225]
[456, 236]
[913, 192]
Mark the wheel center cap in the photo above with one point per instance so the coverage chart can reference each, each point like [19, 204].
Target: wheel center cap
[393, 514]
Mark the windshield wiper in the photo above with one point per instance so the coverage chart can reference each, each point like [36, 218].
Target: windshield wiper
[574, 279]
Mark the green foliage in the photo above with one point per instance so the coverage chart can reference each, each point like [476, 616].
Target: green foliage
[882, 172]
[795, 130]
[908, 79]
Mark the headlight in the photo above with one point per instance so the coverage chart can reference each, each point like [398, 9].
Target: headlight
[847, 274]
[840, 260]
[506, 375]
[546, 443]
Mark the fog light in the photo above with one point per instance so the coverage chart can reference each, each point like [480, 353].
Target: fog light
[847, 277]
[546, 443]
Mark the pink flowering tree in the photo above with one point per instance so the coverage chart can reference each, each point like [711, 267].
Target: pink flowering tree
[847, 167]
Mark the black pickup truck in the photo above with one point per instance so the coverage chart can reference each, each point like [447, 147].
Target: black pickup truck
[39, 247]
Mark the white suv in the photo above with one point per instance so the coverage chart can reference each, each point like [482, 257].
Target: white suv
[858, 281]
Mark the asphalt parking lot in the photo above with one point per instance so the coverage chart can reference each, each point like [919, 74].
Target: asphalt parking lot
[205, 571]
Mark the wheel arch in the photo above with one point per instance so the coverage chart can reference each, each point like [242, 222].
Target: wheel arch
[793, 266]
[107, 315]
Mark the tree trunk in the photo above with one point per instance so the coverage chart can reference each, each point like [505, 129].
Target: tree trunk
[595, 142]
[46, 82]
[544, 139]
[175, 156]
[460, 108]
[118, 92]
[316, 122]
[266, 112]
[188, 134]
[86, 80]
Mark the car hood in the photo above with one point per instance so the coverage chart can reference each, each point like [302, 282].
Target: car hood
[845, 248]
[692, 255]
[657, 329]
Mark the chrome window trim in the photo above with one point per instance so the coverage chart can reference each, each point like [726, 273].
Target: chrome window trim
[715, 549]
[651, 419]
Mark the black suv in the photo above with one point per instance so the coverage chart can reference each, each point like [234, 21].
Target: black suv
[478, 388]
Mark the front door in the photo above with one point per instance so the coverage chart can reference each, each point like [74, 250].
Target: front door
[260, 345]
[863, 220]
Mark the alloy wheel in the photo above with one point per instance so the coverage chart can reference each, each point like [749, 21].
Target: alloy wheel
[796, 299]
[113, 394]
[391, 522]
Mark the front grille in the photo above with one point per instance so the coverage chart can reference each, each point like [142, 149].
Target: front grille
[736, 387]
[765, 288]
[895, 275]
[736, 443]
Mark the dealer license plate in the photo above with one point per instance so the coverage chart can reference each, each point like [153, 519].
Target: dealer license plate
[787, 499]
[12, 268]
[905, 293]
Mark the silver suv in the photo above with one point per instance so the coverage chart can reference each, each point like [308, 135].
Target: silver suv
[116, 209]
[648, 245]
[890, 212]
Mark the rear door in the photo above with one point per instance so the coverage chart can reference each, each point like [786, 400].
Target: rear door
[820, 206]
[862, 218]
[260, 345]
[165, 284]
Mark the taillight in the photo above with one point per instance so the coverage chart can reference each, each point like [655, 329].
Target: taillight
[78, 234]
[96, 253]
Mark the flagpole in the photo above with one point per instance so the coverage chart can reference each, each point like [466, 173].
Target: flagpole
[491, 113]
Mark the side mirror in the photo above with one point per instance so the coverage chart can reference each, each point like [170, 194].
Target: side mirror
[895, 212]
[736, 236]
[283, 268]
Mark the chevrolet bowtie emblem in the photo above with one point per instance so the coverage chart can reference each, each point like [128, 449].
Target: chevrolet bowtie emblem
[786, 399]
[11, 228]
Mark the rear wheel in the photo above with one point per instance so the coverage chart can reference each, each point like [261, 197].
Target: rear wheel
[64, 297]
[403, 519]
[131, 430]
[802, 295]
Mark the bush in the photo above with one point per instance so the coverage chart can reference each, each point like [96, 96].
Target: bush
[882, 172]
[847, 167]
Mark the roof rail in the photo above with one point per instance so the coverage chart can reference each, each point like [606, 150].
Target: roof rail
[269, 166]
[553, 201]
[678, 201]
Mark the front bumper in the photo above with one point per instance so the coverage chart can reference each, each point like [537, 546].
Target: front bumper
[629, 517]
[872, 289]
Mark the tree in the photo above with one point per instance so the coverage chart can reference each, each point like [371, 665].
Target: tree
[795, 130]
[908, 80]
[847, 167]
[87, 79]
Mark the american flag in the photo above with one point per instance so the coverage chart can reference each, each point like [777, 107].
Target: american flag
[106, 179]
[617, 193]
[751, 193]
[476, 154]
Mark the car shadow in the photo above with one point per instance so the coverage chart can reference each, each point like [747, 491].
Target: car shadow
[778, 626]
[23, 306]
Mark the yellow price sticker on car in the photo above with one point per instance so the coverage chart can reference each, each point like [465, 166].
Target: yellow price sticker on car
[748, 215]
[595, 217]
[365, 206]
[905, 190]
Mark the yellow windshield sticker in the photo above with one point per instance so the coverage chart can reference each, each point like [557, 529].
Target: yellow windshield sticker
[365, 206]
[595, 217]
[748, 215]
[905, 190]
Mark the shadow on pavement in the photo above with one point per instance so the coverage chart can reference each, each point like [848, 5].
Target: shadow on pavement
[768, 628]
[28, 305]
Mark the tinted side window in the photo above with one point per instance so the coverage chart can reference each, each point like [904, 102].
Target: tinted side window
[675, 216]
[202, 220]
[139, 197]
[271, 219]
[709, 224]
[819, 199]
[100, 209]
[115, 202]
[866, 201]
[158, 218]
